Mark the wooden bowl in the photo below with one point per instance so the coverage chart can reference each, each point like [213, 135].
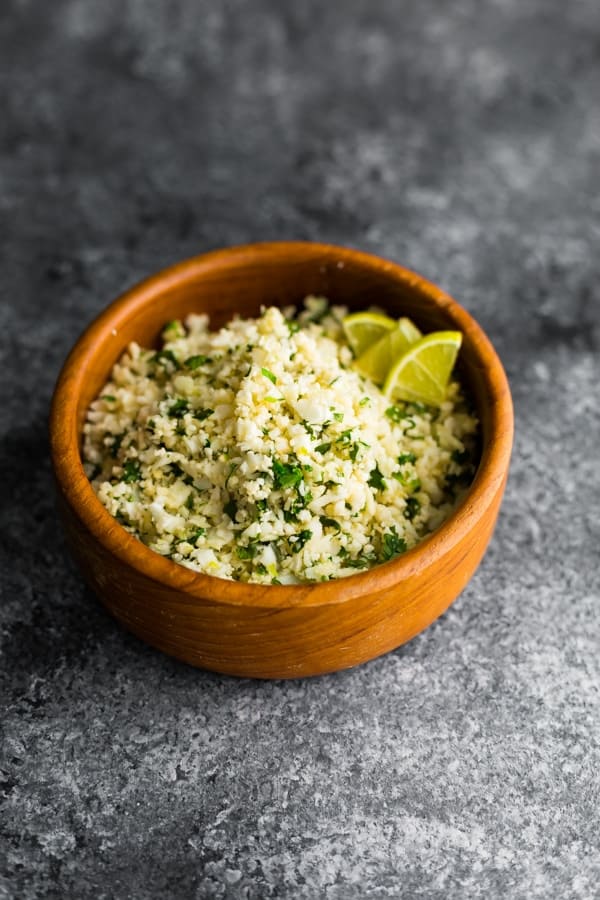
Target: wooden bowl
[289, 630]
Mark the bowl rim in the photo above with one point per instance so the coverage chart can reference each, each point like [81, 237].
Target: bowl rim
[76, 490]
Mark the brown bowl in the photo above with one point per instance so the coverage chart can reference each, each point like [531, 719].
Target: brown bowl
[278, 631]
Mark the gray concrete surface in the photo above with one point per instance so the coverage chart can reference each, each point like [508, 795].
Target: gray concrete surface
[462, 139]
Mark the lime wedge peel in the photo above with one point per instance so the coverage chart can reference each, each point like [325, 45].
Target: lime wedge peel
[422, 373]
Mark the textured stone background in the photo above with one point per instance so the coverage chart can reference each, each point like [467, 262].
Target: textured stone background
[463, 139]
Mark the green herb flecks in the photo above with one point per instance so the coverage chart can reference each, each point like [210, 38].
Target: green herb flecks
[173, 330]
[408, 480]
[326, 522]
[178, 409]
[268, 374]
[194, 362]
[364, 561]
[355, 449]
[395, 413]
[297, 541]
[248, 552]
[345, 438]
[376, 479]
[261, 507]
[165, 358]
[286, 475]
[392, 545]
[193, 537]
[131, 471]
[410, 428]
[202, 414]
[412, 508]
[406, 458]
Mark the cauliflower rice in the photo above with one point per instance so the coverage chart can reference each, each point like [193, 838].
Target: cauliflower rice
[257, 453]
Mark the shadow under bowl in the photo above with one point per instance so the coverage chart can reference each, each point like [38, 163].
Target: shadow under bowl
[275, 631]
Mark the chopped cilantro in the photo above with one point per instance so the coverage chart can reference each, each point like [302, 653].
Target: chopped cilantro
[393, 545]
[361, 562]
[286, 475]
[410, 428]
[407, 458]
[202, 414]
[109, 398]
[365, 401]
[345, 437]
[268, 374]
[261, 569]
[339, 417]
[178, 409]
[165, 356]
[248, 552]
[376, 479]
[324, 448]
[395, 413]
[194, 362]
[412, 508]
[326, 522]
[174, 330]
[131, 470]
[413, 484]
[297, 541]
[290, 514]
[193, 537]
[292, 325]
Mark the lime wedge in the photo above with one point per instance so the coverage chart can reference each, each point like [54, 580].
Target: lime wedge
[378, 359]
[422, 373]
[365, 328]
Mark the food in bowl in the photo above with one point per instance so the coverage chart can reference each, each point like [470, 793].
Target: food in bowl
[263, 452]
[265, 630]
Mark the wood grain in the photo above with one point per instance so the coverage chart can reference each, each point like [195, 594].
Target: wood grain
[275, 631]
